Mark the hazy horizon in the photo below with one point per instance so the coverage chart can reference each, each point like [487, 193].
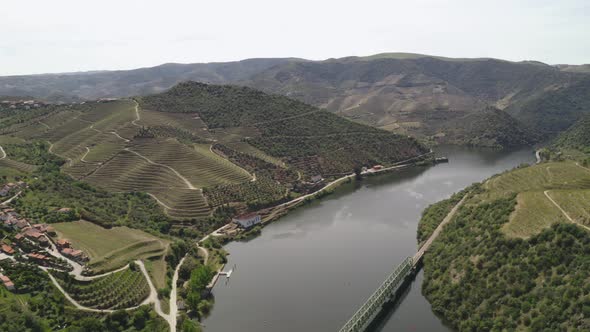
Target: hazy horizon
[69, 36]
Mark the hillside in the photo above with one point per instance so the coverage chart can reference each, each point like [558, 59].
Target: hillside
[193, 150]
[310, 139]
[490, 127]
[125, 83]
[422, 95]
[514, 256]
[577, 136]
[409, 94]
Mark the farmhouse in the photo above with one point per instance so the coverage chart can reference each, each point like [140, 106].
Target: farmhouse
[7, 282]
[37, 236]
[247, 220]
[44, 228]
[316, 178]
[75, 254]
[20, 224]
[7, 249]
[62, 244]
[38, 258]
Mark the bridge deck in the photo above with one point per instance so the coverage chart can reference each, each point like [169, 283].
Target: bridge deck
[365, 314]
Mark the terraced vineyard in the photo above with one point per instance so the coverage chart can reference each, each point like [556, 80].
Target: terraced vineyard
[567, 183]
[555, 175]
[17, 165]
[129, 172]
[575, 202]
[123, 289]
[185, 121]
[260, 192]
[183, 203]
[199, 165]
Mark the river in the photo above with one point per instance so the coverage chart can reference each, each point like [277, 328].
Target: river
[313, 268]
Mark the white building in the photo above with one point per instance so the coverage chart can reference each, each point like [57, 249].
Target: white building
[247, 220]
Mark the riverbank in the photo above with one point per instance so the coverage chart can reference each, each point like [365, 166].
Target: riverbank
[323, 248]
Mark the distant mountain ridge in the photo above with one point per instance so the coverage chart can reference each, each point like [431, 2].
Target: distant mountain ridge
[412, 94]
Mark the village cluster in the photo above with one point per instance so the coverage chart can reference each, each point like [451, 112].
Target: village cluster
[25, 242]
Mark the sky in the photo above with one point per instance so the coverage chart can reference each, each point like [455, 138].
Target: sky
[40, 36]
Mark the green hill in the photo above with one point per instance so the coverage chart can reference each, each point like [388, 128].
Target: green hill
[577, 136]
[410, 94]
[307, 138]
[514, 258]
[490, 127]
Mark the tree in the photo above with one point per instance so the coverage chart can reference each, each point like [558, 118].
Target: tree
[192, 300]
[358, 172]
[190, 326]
[200, 278]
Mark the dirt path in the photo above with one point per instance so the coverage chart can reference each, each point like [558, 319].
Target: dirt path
[11, 198]
[586, 168]
[84, 156]
[136, 115]
[174, 297]
[119, 136]
[3, 153]
[185, 180]
[44, 124]
[152, 297]
[572, 220]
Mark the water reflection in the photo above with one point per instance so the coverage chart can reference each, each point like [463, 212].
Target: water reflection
[313, 268]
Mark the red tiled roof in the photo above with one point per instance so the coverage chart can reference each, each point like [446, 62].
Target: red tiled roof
[7, 249]
[4, 279]
[33, 233]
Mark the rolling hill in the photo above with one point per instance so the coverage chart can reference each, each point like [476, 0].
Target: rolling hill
[410, 94]
[195, 147]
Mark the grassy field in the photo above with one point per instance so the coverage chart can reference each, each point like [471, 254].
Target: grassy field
[156, 268]
[533, 213]
[575, 202]
[554, 175]
[109, 249]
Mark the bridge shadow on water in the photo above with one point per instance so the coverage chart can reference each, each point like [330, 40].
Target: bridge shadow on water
[392, 305]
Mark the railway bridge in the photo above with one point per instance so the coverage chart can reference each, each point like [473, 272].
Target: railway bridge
[363, 317]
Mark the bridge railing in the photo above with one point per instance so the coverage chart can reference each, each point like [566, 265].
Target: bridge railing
[374, 303]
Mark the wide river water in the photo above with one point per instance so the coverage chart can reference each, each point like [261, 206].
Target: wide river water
[312, 269]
